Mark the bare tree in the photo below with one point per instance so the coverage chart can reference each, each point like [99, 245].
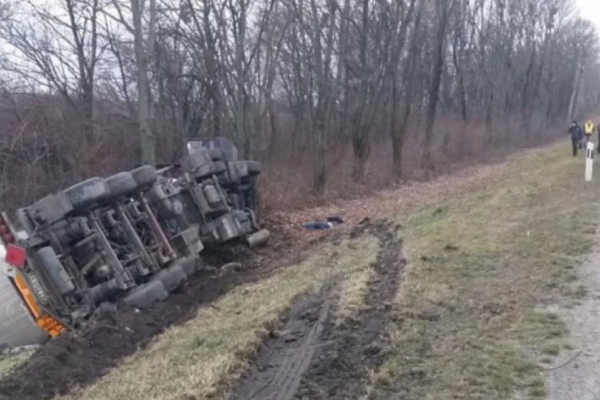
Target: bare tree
[442, 11]
[293, 81]
[402, 67]
[60, 53]
[139, 18]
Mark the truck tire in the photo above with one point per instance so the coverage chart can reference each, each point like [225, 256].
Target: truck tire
[55, 271]
[191, 264]
[106, 291]
[157, 194]
[254, 168]
[121, 185]
[144, 176]
[144, 295]
[87, 193]
[172, 278]
[51, 208]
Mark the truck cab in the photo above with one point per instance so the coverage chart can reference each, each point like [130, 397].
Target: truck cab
[218, 144]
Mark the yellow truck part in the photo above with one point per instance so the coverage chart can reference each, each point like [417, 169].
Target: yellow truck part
[48, 324]
[45, 322]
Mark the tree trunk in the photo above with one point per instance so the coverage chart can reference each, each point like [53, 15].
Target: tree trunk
[147, 145]
[463, 98]
[320, 178]
[575, 91]
[434, 90]
[145, 119]
[399, 122]
[361, 147]
[360, 129]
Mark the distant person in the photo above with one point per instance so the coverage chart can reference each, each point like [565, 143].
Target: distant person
[598, 129]
[588, 130]
[576, 136]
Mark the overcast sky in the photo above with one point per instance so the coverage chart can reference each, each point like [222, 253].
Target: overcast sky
[590, 9]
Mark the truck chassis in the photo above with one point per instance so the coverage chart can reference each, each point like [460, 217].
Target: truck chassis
[133, 237]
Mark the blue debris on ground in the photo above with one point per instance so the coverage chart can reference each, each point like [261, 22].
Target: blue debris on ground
[320, 225]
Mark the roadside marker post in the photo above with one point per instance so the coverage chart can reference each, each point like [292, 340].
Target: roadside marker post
[589, 161]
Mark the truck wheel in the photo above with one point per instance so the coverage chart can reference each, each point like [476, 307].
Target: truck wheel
[106, 291]
[146, 294]
[191, 264]
[55, 271]
[254, 168]
[121, 185]
[172, 278]
[87, 193]
[144, 176]
[51, 208]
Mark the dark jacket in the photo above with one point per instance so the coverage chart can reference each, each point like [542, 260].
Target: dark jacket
[576, 132]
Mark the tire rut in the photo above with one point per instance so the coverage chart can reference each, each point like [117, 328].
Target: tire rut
[287, 353]
[310, 357]
[360, 343]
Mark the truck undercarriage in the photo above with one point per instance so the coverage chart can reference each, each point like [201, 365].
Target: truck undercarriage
[133, 237]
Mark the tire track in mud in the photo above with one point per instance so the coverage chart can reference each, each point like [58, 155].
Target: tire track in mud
[288, 352]
[310, 357]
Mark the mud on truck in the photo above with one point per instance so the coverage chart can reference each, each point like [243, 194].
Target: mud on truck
[131, 238]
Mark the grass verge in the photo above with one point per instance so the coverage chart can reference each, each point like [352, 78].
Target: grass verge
[192, 361]
[8, 362]
[352, 292]
[480, 267]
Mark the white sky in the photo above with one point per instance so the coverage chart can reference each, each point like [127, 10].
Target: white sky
[590, 9]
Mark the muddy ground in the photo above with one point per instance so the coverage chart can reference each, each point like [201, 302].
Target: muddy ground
[310, 356]
[306, 356]
[70, 361]
[78, 361]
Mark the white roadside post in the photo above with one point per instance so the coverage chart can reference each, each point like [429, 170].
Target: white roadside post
[589, 161]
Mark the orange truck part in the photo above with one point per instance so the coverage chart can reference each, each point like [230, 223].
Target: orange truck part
[17, 259]
[46, 323]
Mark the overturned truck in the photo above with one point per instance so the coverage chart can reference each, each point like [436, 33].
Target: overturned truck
[133, 237]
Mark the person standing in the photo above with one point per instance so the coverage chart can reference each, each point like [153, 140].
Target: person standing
[588, 130]
[598, 129]
[576, 136]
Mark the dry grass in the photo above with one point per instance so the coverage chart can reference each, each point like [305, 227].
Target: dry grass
[10, 361]
[352, 294]
[193, 360]
[478, 268]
